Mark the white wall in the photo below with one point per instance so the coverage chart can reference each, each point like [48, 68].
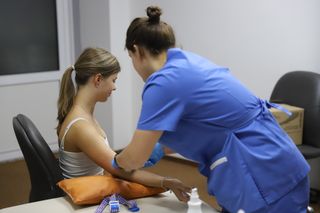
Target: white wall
[35, 100]
[258, 40]
[123, 98]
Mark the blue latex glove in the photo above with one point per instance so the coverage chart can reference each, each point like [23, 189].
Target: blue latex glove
[155, 156]
[114, 164]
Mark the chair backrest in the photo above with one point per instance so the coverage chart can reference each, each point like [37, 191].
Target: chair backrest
[302, 89]
[42, 165]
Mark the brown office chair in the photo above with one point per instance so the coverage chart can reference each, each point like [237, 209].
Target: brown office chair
[302, 89]
[42, 165]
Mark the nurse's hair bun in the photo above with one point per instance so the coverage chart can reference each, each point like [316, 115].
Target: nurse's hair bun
[154, 14]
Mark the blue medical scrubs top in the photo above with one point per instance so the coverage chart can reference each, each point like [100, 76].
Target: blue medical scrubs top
[210, 117]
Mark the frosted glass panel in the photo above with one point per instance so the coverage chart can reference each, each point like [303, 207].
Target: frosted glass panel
[28, 36]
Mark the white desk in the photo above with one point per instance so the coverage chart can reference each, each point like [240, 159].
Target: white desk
[163, 203]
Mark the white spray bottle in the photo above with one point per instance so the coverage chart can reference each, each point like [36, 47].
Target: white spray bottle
[194, 204]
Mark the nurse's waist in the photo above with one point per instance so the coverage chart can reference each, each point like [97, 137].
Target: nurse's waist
[233, 122]
[261, 109]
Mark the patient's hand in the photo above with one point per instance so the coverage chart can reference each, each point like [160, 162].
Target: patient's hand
[178, 188]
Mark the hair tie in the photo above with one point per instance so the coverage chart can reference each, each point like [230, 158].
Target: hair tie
[73, 79]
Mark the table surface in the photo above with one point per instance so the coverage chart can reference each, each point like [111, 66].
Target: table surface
[162, 203]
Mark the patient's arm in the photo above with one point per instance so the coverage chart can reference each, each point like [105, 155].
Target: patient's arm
[93, 145]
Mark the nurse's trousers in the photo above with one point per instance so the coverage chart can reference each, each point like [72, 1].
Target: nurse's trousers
[296, 201]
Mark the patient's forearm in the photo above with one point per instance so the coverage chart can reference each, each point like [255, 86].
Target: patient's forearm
[142, 177]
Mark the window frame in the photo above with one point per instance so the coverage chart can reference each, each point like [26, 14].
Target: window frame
[65, 50]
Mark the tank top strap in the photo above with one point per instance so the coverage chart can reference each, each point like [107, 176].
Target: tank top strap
[67, 129]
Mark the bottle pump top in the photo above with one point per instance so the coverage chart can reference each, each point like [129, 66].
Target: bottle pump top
[194, 197]
[194, 204]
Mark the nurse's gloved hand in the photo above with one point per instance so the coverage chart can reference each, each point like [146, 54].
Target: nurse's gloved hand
[155, 156]
[114, 163]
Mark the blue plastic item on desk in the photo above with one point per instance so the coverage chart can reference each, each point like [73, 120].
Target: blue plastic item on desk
[114, 202]
[114, 205]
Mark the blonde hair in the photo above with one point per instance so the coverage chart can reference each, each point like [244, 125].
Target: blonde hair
[92, 61]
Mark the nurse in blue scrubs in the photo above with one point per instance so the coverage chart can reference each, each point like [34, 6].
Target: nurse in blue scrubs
[199, 110]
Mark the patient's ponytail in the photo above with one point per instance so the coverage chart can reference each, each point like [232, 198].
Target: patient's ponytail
[66, 96]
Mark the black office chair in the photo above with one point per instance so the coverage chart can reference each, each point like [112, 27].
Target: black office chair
[302, 89]
[43, 167]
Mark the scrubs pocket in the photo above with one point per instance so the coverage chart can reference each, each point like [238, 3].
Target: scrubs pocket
[231, 183]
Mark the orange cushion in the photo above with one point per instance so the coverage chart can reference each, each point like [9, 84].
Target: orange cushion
[92, 189]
